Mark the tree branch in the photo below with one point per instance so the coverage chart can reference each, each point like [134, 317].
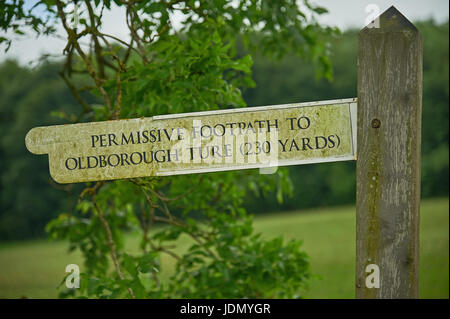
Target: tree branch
[110, 243]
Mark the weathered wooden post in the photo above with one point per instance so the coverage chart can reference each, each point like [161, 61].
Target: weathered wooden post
[388, 165]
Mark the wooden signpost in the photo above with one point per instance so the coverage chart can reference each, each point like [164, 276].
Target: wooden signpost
[385, 126]
[388, 165]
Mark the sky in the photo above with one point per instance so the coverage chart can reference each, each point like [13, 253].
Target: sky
[342, 13]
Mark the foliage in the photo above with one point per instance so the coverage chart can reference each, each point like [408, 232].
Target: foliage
[160, 70]
[14, 16]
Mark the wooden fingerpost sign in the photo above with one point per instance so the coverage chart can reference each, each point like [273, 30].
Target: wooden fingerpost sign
[385, 125]
[199, 142]
[388, 165]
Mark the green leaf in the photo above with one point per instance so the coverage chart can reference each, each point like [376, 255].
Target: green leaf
[129, 265]
[320, 10]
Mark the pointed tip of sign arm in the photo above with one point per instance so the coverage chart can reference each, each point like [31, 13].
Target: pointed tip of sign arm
[391, 20]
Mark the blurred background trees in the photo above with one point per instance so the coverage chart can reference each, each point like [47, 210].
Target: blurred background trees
[29, 97]
[28, 196]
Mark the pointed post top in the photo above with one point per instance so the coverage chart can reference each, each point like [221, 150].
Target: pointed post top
[390, 20]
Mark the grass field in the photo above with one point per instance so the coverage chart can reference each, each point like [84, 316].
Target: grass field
[35, 268]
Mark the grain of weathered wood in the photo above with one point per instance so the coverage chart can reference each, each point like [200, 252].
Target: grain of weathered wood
[388, 165]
